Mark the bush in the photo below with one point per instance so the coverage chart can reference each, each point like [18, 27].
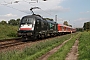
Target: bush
[7, 31]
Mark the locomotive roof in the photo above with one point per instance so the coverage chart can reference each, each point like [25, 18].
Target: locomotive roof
[51, 21]
[38, 16]
[34, 15]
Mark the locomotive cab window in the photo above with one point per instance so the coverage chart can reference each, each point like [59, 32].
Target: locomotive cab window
[27, 21]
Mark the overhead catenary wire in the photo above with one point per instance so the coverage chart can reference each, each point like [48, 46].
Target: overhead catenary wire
[24, 11]
[36, 6]
[42, 9]
[13, 8]
[27, 12]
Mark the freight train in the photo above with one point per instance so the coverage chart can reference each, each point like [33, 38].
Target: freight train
[35, 26]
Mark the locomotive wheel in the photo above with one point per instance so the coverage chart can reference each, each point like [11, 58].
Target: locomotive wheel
[42, 36]
[24, 39]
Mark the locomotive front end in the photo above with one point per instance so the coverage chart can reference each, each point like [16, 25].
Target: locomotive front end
[26, 28]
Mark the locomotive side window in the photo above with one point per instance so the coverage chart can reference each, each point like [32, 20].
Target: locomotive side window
[37, 21]
[55, 26]
[37, 24]
[52, 26]
[45, 25]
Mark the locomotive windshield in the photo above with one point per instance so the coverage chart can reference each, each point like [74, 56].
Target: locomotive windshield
[27, 21]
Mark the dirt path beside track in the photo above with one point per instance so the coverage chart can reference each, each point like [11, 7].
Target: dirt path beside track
[73, 54]
[45, 56]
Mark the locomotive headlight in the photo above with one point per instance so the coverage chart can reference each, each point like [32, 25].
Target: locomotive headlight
[19, 29]
[22, 25]
[19, 34]
[29, 33]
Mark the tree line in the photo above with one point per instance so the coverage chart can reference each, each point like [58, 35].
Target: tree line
[86, 26]
[66, 23]
[11, 22]
[14, 22]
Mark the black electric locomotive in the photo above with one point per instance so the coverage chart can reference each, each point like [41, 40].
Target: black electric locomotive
[35, 26]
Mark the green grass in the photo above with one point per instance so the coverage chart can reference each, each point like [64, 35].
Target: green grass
[63, 51]
[84, 46]
[8, 31]
[35, 51]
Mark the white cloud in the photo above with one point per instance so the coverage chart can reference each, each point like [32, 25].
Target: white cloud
[49, 5]
[52, 5]
[10, 15]
[7, 17]
[82, 19]
[49, 8]
[87, 12]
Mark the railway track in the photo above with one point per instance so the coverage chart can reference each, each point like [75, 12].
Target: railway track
[10, 45]
[3, 40]
[10, 42]
[17, 42]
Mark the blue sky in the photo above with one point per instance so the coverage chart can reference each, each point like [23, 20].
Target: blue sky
[79, 11]
[76, 12]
